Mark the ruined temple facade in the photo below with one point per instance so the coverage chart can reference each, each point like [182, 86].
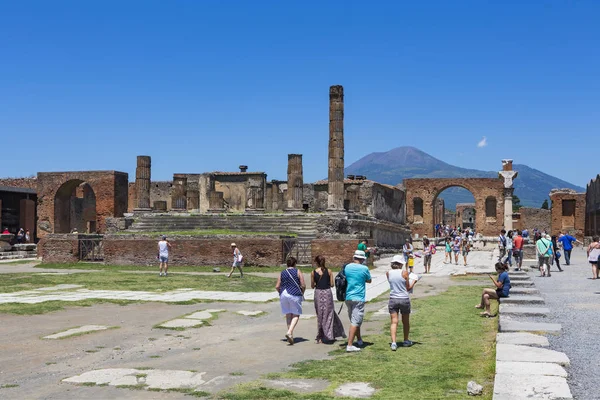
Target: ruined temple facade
[568, 212]
[592, 207]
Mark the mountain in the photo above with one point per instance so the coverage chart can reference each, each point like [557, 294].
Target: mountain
[391, 167]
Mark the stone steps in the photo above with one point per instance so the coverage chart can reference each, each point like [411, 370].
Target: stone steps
[17, 257]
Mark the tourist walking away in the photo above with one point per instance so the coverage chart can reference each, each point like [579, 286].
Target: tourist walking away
[20, 235]
[543, 248]
[556, 252]
[357, 276]
[399, 303]
[237, 260]
[593, 253]
[509, 248]
[501, 289]
[448, 250]
[290, 286]
[466, 248]
[501, 245]
[456, 246]
[428, 251]
[163, 255]
[567, 244]
[518, 250]
[329, 325]
[363, 245]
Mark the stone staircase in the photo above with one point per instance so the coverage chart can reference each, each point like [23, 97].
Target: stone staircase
[301, 224]
[19, 252]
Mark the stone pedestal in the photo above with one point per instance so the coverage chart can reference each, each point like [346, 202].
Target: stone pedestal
[335, 178]
[508, 175]
[142, 183]
[5, 241]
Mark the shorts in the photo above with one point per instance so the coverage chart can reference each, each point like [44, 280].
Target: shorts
[427, 260]
[399, 306]
[163, 259]
[290, 304]
[356, 312]
[456, 251]
[465, 253]
[500, 293]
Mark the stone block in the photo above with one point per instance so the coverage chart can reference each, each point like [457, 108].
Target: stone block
[182, 323]
[506, 324]
[530, 368]
[522, 300]
[522, 338]
[524, 311]
[518, 353]
[517, 387]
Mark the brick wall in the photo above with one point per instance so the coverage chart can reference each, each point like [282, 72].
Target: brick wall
[24, 183]
[201, 251]
[535, 218]
[336, 252]
[58, 249]
[573, 224]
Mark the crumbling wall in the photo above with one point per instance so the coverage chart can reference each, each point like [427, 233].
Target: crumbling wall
[531, 218]
[592, 206]
[23, 183]
[568, 212]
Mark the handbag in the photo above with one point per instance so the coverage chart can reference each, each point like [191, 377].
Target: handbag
[296, 283]
[558, 254]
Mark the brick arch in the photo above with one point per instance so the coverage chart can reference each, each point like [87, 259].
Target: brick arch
[428, 189]
[110, 190]
[75, 207]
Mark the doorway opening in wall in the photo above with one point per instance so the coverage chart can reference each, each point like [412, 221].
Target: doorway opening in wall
[454, 207]
[75, 208]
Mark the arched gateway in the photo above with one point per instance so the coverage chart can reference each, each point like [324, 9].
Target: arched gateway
[422, 193]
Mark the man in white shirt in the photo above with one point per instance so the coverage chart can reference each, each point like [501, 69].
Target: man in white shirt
[163, 255]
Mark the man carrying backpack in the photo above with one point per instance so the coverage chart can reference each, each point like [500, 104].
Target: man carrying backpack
[357, 276]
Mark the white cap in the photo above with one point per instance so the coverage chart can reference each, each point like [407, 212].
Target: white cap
[233, 245]
[399, 259]
[359, 254]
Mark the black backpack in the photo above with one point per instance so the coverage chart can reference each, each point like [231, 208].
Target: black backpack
[341, 284]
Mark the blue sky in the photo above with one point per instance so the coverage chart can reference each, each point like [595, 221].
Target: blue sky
[208, 85]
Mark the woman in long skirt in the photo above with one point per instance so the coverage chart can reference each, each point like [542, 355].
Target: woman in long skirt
[329, 325]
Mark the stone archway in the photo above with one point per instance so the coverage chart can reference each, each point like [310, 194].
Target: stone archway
[486, 191]
[75, 208]
[65, 200]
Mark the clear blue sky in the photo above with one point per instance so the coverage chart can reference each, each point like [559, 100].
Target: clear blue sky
[208, 85]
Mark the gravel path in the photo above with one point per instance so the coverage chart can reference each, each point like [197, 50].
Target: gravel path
[574, 301]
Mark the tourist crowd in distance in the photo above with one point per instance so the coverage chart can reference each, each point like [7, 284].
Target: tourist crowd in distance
[22, 236]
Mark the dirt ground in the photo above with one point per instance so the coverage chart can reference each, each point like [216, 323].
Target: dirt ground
[247, 347]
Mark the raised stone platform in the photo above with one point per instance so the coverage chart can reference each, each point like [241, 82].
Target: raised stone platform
[506, 324]
[517, 387]
[522, 300]
[518, 353]
[522, 338]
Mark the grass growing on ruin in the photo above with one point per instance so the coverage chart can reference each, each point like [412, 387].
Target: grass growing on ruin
[174, 269]
[144, 282]
[455, 345]
[206, 232]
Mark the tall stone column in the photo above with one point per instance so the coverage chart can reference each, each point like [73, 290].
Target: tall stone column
[142, 183]
[335, 178]
[508, 176]
[295, 182]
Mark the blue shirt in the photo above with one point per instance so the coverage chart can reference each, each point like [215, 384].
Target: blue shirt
[567, 242]
[505, 280]
[357, 276]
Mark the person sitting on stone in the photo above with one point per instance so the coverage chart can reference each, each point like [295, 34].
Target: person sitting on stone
[502, 289]
[5, 231]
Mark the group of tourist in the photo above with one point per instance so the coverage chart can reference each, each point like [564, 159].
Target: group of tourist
[291, 287]
[23, 236]
[444, 231]
[457, 245]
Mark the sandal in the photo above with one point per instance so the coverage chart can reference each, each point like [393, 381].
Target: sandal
[478, 306]
[486, 315]
[289, 338]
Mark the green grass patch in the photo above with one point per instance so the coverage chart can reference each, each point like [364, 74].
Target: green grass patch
[236, 373]
[143, 368]
[115, 280]
[8, 386]
[50, 363]
[206, 232]
[52, 306]
[455, 346]
[155, 356]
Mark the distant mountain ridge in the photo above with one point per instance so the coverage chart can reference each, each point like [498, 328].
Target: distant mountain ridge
[531, 186]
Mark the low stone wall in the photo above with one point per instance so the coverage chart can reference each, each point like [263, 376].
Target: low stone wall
[337, 252]
[135, 250]
[57, 248]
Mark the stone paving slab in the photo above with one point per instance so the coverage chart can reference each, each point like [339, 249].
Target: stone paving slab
[522, 338]
[524, 311]
[199, 315]
[357, 390]
[522, 300]
[148, 379]
[249, 313]
[520, 278]
[515, 387]
[521, 283]
[506, 324]
[529, 368]
[77, 331]
[518, 353]
[298, 385]
[182, 323]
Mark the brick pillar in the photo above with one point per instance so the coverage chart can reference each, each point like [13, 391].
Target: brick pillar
[295, 182]
[335, 178]
[142, 183]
